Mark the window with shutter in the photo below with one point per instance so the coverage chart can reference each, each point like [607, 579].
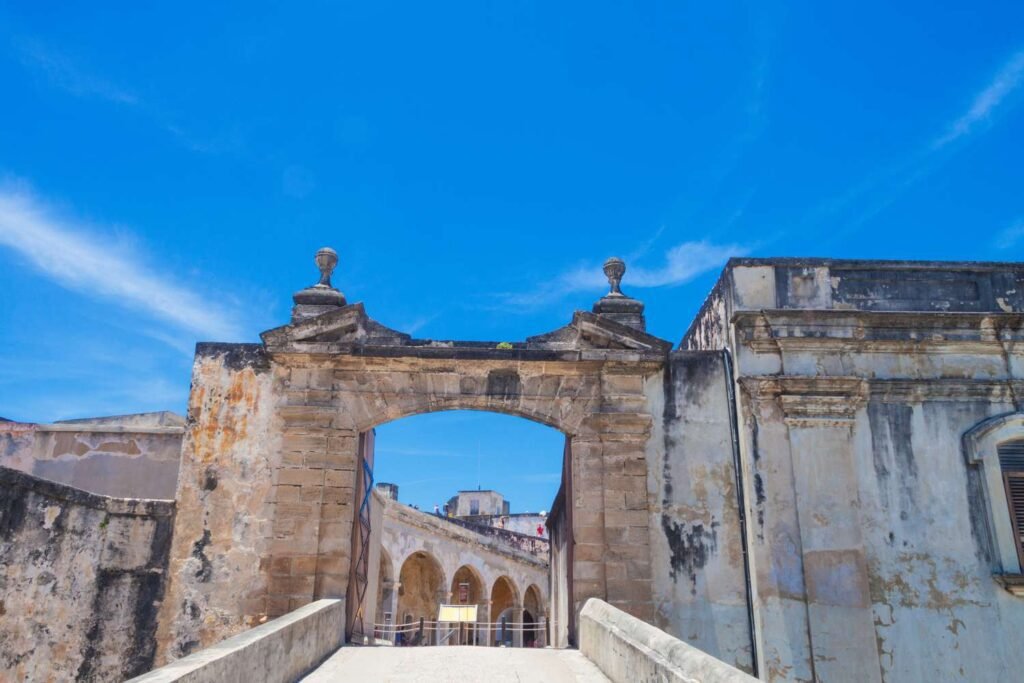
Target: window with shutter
[1011, 462]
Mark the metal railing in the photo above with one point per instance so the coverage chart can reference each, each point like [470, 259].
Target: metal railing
[501, 633]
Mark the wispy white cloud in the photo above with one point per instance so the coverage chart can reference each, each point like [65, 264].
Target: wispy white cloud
[1010, 236]
[97, 266]
[682, 263]
[886, 185]
[645, 247]
[416, 324]
[1006, 81]
[68, 75]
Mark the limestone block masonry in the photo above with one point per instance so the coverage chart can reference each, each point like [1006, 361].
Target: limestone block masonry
[81, 580]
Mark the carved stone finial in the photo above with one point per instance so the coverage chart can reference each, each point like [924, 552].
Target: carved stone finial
[615, 305]
[614, 269]
[326, 260]
[321, 297]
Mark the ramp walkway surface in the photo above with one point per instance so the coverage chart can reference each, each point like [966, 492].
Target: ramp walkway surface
[455, 664]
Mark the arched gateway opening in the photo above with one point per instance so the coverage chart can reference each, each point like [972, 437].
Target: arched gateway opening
[299, 412]
[470, 490]
[345, 374]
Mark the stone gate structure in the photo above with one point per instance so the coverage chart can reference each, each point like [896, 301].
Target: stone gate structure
[268, 479]
[823, 481]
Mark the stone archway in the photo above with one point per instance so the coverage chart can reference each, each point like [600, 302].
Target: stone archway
[533, 610]
[566, 380]
[277, 427]
[422, 588]
[505, 606]
[468, 588]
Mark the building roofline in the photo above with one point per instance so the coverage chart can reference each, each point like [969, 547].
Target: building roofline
[882, 264]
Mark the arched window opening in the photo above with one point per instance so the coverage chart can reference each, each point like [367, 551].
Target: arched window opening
[995, 450]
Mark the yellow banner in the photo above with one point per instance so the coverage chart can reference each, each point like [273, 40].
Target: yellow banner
[457, 613]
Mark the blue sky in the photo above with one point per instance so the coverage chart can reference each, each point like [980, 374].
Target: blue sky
[166, 173]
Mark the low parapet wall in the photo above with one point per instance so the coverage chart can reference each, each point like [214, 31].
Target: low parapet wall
[535, 545]
[629, 650]
[279, 651]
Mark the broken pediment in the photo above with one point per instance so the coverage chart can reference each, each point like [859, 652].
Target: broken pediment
[324, 323]
[595, 331]
[349, 326]
[345, 325]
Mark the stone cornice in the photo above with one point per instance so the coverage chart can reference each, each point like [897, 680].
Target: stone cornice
[810, 400]
[768, 331]
[806, 396]
[944, 389]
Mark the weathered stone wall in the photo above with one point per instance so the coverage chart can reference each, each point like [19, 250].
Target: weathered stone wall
[132, 456]
[525, 523]
[531, 543]
[871, 534]
[81, 580]
[16, 439]
[697, 546]
[223, 535]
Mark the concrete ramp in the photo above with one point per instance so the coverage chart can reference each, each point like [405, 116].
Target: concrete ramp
[455, 665]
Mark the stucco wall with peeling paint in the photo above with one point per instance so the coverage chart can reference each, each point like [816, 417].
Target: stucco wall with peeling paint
[871, 534]
[133, 456]
[696, 542]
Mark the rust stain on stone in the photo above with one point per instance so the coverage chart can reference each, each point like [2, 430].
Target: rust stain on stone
[222, 417]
